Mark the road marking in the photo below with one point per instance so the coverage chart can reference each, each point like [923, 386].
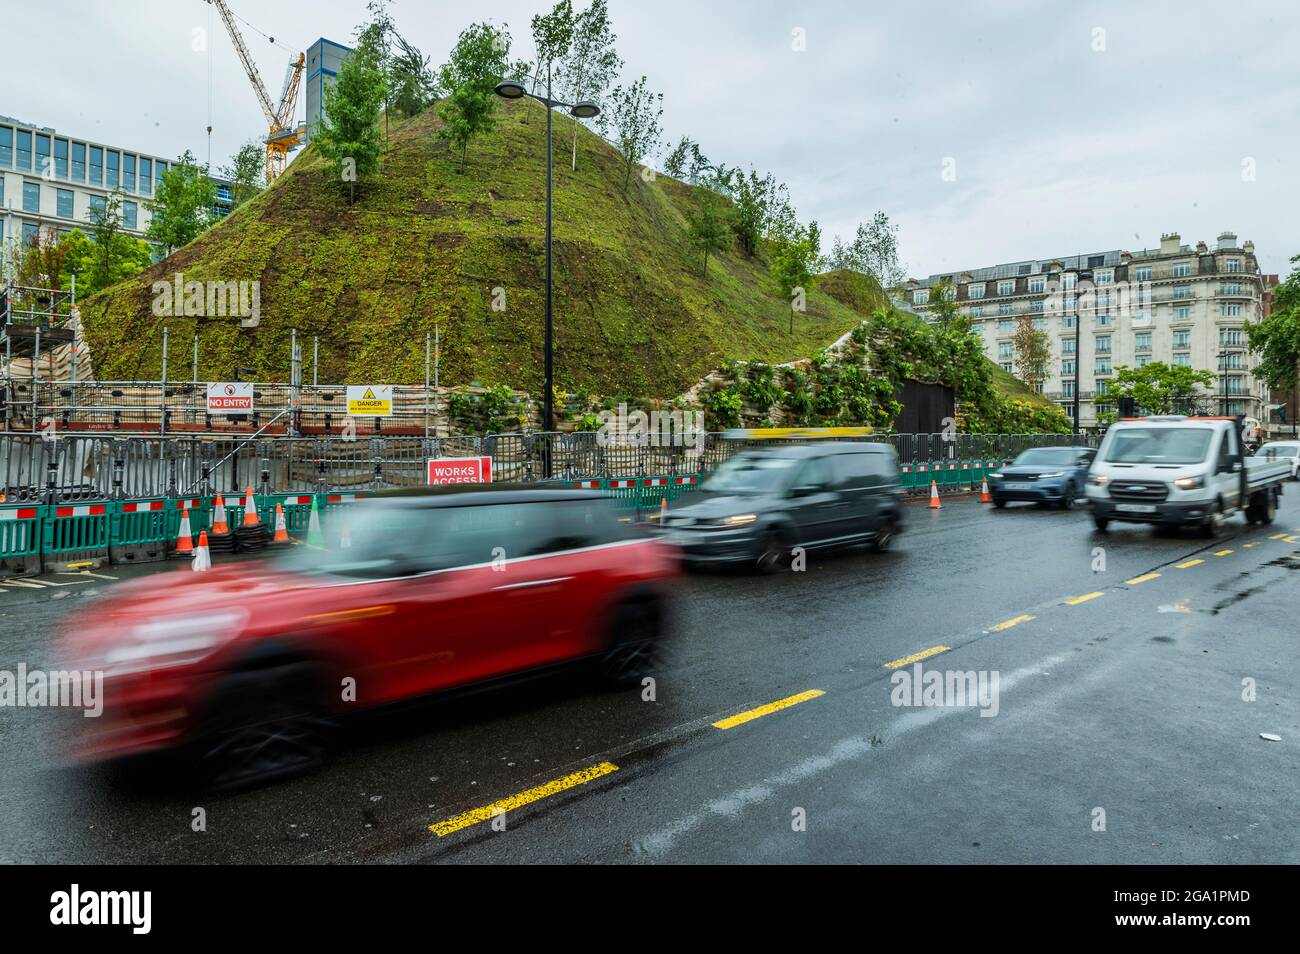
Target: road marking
[1277, 536]
[1008, 623]
[25, 584]
[916, 657]
[1076, 600]
[1247, 546]
[740, 718]
[1141, 579]
[1189, 563]
[545, 790]
[98, 576]
[1222, 552]
[1291, 539]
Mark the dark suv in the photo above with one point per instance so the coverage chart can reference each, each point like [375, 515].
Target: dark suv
[760, 504]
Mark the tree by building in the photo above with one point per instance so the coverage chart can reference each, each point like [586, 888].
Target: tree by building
[1159, 388]
[943, 305]
[1277, 338]
[181, 209]
[1031, 348]
[246, 172]
[476, 64]
[104, 262]
[348, 134]
[633, 118]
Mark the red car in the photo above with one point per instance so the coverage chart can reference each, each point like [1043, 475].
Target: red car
[246, 667]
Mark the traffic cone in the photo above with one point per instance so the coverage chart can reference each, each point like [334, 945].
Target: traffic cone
[202, 559]
[314, 538]
[345, 538]
[281, 531]
[663, 510]
[250, 509]
[184, 537]
[934, 496]
[984, 492]
[219, 527]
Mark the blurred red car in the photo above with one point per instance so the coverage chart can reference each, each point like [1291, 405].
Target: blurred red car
[245, 668]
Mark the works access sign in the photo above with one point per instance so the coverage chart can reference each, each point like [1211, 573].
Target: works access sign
[460, 470]
[370, 400]
[230, 397]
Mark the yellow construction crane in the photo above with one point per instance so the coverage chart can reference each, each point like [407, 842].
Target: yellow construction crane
[283, 136]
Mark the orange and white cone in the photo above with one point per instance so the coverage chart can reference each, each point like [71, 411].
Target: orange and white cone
[984, 492]
[202, 558]
[184, 537]
[250, 509]
[345, 538]
[934, 496]
[281, 531]
[219, 527]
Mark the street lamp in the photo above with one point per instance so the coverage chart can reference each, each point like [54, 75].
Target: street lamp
[585, 109]
[1079, 277]
[1223, 368]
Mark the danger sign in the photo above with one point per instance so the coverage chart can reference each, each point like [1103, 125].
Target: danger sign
[460, 470]
[370, 400]
[230, 397]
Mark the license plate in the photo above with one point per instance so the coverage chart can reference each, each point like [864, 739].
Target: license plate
[1019, 485]
[1136, 508]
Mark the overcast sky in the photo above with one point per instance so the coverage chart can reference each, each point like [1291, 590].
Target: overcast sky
[1072, 127]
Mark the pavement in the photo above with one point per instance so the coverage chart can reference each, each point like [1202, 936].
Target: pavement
[1136, 672]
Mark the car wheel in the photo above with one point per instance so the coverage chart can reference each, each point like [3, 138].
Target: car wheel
[1067, 498]
[999, 502]
[634, 649]
[1263, 510]
[884, 537]
[263, 729]
[773, 552]
[1101, 523]
[1213, 523]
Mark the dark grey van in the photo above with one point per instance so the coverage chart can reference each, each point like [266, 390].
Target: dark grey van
[757, 506]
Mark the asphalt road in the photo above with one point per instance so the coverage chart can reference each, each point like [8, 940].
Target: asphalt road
[1123, 711]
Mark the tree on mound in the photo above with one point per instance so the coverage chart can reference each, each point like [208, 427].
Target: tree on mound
[348, 135]
[477, 63]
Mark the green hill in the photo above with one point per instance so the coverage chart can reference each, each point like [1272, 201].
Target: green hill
[425, 245]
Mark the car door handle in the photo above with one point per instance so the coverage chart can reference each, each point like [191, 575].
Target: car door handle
[528, 583]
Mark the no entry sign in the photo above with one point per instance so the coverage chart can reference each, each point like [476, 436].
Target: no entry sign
[230, 397]
[460, 470]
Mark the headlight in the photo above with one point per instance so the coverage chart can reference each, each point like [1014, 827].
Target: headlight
[1097, 480]
[1055, 473]
[1190, 483]
[996, 473]
[738, 520]
[173, 641]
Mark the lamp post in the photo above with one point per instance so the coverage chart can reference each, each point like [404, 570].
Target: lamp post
[1223, 369]
[585, 109]
[1080, 276]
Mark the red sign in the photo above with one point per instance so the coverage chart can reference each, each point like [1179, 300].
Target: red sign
[227, 397]
[460, 470]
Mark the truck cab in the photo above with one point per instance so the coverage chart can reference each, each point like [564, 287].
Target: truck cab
[1180, 471]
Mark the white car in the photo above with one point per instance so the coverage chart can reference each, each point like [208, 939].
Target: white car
[1288, 451]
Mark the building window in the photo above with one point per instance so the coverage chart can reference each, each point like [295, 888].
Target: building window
[79, 161]
[30, 231]
[1007, 288]
[1142, 273]
[128, 215]
[6, 146]
[98, 205]
[1231, 336]
[1102, 387]
[1067, 366]
[96, 165]
[1038, 285]
[111, 178]
[24, 152]
[1036, 307]
[975, 311]
[61, 158]
[128, 172]
[1232, 265]
[920, 296]
[1103, 320]
[1069, 279]
[1004, 308]
[1006, 326]
[1142, 341]
[1004, 349]
[44, 162]
[1182, 312]
[1095, 260]
[1182, 360]
[1104, 277]
[159, 171]
[1181, 269]
[146, 176]
[32, 197]
[1233, 361]
[1006, 366]
[63, 203]
[1102, 345]
[1182, 291]
[975, 291]
[1182, 339]
[1067, 346]
[1040, 324]
[1142, 360]
[1230, 310]
[1101, 366]
[1067, 321]
[1231, 289]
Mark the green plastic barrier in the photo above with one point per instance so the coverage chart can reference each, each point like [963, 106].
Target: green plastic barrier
[20, 540]
[75, 536]
[138, 531]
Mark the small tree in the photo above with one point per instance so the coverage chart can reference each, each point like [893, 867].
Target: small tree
[552, 37]
[793, 264]
[1277, 338]
[40, 263]
[758, 199]
[476, 64]
[709, 228]
[1032, 350]
[634, 116]
[874, 251]
[246, 172]
[588, 69]
[1159, 388]
[943, 304]
[182, 207]
[348, 134]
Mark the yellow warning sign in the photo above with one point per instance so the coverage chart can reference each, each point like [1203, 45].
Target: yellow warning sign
[370, 400]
